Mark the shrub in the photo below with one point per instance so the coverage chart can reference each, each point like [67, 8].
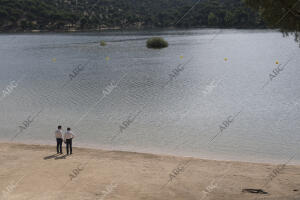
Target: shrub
[102, 43]
[157, 43]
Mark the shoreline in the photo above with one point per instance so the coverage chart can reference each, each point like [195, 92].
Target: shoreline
[134, 29]
[206, 155]
[130, 176]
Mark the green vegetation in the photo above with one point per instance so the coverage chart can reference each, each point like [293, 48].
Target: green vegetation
[102, 43]
[19, 15]
[33, 14]
[157, 43]
[279, 14]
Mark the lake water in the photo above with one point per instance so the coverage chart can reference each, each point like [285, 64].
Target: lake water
[124, 96]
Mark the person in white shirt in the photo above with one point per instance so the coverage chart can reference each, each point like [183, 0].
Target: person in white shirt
[68, 140]
[59, 139]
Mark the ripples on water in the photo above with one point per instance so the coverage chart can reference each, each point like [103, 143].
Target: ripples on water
[226, 72]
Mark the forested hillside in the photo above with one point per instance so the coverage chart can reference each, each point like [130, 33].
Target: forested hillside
[16, 15]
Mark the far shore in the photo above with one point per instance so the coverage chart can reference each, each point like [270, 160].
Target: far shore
[36, 172]
[127, 29]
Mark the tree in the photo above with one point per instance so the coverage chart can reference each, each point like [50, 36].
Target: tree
[279, 14]
[229, 17]
[212, 19]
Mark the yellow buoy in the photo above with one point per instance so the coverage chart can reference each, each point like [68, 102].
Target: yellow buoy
[277, 62]
[225, 59]
[53, 59]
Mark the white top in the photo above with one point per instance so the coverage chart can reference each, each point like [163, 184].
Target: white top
[58, 133]
[69, 135]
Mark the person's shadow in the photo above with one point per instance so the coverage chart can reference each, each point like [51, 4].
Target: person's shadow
[50, 157]
[61, 157]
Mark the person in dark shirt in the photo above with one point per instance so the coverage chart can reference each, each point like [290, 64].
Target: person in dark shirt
[59, 139]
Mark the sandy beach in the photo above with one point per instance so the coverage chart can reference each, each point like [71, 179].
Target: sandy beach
[35, 172]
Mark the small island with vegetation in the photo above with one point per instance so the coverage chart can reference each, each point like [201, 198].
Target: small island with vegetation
[157, 43]
[102, 43]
